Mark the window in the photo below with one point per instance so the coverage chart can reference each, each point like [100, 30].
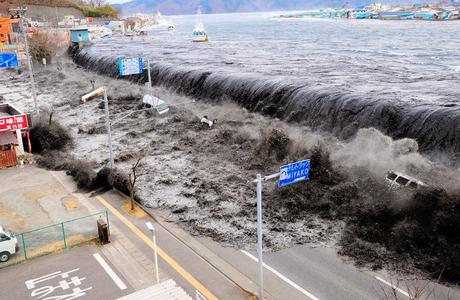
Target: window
[392, 176]
[413, 185]
[402, 180]
[4, 237]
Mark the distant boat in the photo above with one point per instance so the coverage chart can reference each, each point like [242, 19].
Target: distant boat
[199, 34]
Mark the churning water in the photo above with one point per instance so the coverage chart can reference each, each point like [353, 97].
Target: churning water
[402, 77]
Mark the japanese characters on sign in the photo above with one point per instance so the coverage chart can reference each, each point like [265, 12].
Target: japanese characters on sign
[130, 66]
[8, 60]
[14, 122]
[57, 286]
[294, 172]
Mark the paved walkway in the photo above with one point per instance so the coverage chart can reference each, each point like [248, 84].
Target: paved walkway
[122, 253]
[45, 198]
[31, 198]
[131, 251]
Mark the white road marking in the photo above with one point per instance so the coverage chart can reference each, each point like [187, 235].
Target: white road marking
[109, 271]
[393, 286]
[287, 280]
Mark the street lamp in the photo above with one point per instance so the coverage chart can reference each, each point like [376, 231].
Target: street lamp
[98, 92]
[152, 230]
[21, 11]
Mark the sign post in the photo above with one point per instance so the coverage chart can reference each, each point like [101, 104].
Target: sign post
[288, 174]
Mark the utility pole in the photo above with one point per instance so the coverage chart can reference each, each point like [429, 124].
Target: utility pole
[21, 11]
[109, 129]
[259, 237]
[155, 253]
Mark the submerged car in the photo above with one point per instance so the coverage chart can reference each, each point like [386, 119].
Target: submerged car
[397, 180]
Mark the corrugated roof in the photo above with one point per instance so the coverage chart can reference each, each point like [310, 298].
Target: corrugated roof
[7, 137]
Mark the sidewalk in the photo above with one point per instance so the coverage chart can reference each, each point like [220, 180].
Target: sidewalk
[137, 269]
[131, 246]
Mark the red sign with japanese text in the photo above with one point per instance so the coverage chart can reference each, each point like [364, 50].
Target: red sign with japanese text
[14, 122]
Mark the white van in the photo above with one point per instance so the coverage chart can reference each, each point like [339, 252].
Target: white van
[398, 180]
[8, 245]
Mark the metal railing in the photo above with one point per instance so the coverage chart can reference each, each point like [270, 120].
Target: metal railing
[54, 238]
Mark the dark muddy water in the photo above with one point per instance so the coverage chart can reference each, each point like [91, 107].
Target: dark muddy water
[402, 77]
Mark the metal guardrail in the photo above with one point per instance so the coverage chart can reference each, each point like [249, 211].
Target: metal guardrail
[55, 237]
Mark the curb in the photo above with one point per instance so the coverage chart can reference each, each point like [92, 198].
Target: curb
[223, 267]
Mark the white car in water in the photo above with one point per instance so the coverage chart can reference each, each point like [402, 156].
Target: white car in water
[397, 180]
[8, 245]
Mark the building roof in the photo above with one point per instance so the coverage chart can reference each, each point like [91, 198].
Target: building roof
[7, 138]
[8, 20]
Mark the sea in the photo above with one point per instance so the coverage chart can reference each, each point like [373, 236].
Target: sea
[409, 61]
[338, 75]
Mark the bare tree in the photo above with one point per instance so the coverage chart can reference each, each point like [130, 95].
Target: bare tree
[136, 171]
[47, 110]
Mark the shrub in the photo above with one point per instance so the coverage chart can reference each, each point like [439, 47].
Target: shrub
[423, 229]
[45, 136]
[105, 11]
[81, 171]
[83, 174]
[45, 45]
[274, 145]
[115, 179]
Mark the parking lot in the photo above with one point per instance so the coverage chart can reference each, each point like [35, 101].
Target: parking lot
[41, 213]
[79, 273]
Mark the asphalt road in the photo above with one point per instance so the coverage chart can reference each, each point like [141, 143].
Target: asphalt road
[303, 272]
[186, 267]
[74, 272]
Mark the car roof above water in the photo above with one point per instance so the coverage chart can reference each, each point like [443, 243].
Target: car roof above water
[398, 175]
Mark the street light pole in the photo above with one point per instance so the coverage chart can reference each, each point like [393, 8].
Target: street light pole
[109, 128]
[260, 261]
[152, 230]
[21, 11]
[259, 235]
[148, 74]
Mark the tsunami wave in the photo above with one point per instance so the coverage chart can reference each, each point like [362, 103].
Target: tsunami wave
[435, 128]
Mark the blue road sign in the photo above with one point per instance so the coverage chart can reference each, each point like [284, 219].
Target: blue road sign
[8, 60]
[293, 173]
[130, 66]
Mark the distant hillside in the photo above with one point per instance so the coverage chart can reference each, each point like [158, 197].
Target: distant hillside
[172, 7]
[47, 10]
[52, 3]
[43, 9]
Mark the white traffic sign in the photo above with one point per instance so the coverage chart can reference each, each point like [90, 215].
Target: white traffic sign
[130, 66]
